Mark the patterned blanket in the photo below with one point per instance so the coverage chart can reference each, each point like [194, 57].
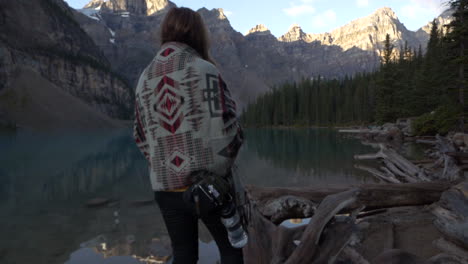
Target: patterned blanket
[185, 118]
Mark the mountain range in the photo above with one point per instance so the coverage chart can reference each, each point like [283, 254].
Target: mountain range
[127, 32]
[95, 54]
[51, 72]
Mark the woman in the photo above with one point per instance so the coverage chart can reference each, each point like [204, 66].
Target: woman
[185, 122]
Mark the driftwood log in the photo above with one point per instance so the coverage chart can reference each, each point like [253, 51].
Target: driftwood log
[333, 213]
[374, 196]
[397, 169]
[452, 221]
[450, 171]
[388, 132]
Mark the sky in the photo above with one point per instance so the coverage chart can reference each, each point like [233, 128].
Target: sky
[314, 16]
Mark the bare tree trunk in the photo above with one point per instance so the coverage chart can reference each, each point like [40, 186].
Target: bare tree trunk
[324, 237]
[373, 196]
[396, 165]
[461, 76]
[330, 206]
[450, 171]
[452, 215]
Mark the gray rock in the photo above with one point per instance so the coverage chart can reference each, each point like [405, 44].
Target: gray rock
[387, 126]
[459, 139]
[160, 250]
[397, 256]
[394, 133]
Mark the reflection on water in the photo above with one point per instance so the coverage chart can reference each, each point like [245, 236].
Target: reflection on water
[291, 223]
[63, 165]
[300, 157]
[46, 180]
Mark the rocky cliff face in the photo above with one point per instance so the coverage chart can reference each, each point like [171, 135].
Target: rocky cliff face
[364, 34]
[153, 6]
[294, 33]
[135, 7]
[352, 48]
[227, 46]
[424, 32]
[51, 43]
[254, 62]
[130, 42]
[368, 33]
[259, 30]
[95, 4]
[132, 6]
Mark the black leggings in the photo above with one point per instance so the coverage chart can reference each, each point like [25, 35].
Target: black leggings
[182, 225]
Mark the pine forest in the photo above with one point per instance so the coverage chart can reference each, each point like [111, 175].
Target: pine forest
[429, 86]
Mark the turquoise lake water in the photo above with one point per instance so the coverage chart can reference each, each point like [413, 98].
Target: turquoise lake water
[47, 178]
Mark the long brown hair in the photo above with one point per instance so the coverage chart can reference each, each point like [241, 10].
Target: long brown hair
[184, 25]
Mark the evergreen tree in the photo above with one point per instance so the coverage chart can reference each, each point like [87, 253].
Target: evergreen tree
[387, 51]
[458, 43]
[431, 77]
[413, 85]
[386, 96]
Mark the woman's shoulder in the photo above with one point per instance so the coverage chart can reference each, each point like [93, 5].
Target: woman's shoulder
[187, 54]
[205, 66]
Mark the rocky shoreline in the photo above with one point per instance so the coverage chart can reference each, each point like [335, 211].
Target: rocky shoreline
[417, 214]
[421, 233]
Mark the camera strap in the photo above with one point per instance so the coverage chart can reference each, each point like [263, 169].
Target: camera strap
[208, 192]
